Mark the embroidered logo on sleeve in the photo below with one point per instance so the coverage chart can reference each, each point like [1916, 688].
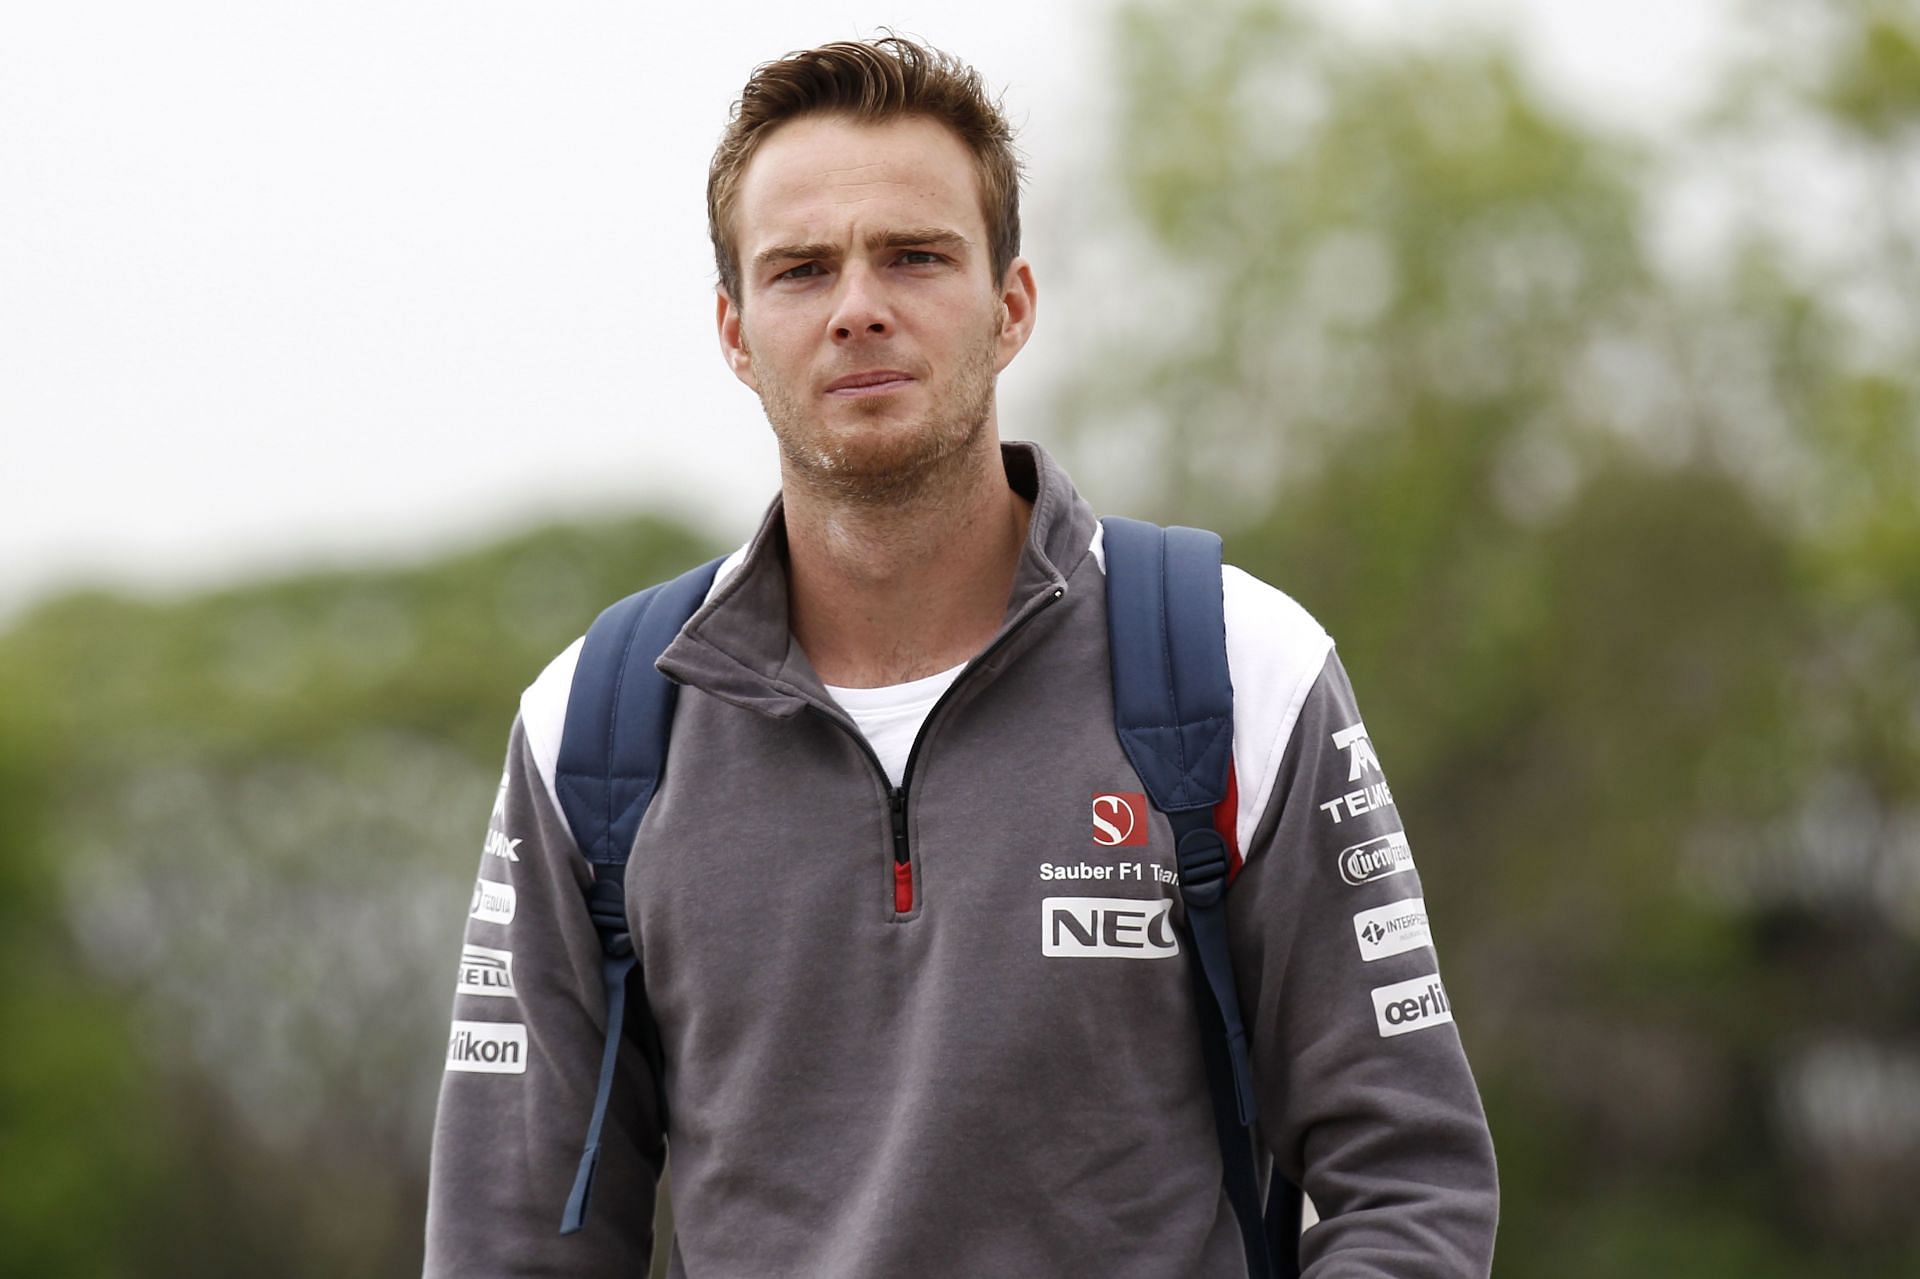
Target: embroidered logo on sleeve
[1361, 762]
[1359, 748]
[499, 843]
[1393, 929]
[1119, 819]
[485, 972]
[502, 845]
[1376, 859]
[492, 902]
[488, 1048]
[1407, 1006]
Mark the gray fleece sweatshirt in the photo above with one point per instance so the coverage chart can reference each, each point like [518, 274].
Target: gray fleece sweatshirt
[1004, 1078]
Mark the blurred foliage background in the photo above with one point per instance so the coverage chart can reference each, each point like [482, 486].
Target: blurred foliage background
[1599, 454]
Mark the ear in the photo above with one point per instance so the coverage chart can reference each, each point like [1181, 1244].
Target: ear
[733, 343]
[1017, 302]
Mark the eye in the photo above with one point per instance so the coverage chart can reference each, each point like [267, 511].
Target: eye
[798, 272]
[929, 257]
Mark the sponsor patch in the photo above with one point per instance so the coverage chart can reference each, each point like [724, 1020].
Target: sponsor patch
[1358, 803]
[1407, 1006]
[1359, 748]
[488, 1048]
[1393, 929]
[485, 972]
[1119, 819]
[1376, 859]
[1117, 927]
[1138, 871]
[501, 845]
[492, 902]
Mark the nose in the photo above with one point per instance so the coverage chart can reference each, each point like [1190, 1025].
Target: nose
[861, 309]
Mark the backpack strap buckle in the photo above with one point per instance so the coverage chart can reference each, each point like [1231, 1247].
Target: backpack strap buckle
[607, 907]
[1203, 860]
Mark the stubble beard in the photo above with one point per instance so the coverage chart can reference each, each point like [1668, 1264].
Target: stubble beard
[894, 464]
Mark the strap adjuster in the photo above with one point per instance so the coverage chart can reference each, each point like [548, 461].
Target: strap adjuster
[1203, 867]
[607, 907]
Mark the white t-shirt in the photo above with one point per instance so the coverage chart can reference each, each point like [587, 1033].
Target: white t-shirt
[890, 717]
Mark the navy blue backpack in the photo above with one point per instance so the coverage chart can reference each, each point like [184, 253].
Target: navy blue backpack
[1173, 711]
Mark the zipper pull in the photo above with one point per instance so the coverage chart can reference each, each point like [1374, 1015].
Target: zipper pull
[897, 803]
[902, 867]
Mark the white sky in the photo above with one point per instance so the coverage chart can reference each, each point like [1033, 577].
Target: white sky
[284, 284]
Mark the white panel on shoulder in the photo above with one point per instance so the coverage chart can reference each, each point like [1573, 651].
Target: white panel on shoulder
[1275, 652]
[543, 713]
[543, 706]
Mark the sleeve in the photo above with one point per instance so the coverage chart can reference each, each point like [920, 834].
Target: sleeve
[523, 1060]
[1366, 1099]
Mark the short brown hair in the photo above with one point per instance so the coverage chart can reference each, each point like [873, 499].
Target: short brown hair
[872, 82]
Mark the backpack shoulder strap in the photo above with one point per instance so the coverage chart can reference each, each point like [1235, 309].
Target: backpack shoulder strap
[1173, 711]
[613, 752]
[619, 713]
[1166, 624]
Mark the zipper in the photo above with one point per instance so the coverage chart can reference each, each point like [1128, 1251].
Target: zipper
[902, 863]
[897, 795]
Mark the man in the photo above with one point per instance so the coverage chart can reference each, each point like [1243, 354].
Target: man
[894, 746]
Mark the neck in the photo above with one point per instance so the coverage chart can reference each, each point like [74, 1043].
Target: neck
[884, 592]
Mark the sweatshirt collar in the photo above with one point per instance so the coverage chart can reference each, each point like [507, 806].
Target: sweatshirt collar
[738, 645]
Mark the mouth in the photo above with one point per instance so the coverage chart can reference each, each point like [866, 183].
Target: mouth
[856, 386]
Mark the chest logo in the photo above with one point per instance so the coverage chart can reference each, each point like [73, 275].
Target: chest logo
[1119, 819]
[1117, 927]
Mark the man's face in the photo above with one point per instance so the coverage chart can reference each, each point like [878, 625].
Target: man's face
[868, 319]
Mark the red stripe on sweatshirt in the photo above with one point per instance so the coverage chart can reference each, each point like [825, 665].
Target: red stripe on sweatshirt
[1226, 818]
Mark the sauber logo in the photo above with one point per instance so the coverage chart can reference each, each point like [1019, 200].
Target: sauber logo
[1119, 818]
[1121, 927]
[1359, 748]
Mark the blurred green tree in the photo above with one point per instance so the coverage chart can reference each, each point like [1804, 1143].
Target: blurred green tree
[1615, 522]
[230, 897]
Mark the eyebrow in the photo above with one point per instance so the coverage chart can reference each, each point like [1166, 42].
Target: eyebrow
[912, 238]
